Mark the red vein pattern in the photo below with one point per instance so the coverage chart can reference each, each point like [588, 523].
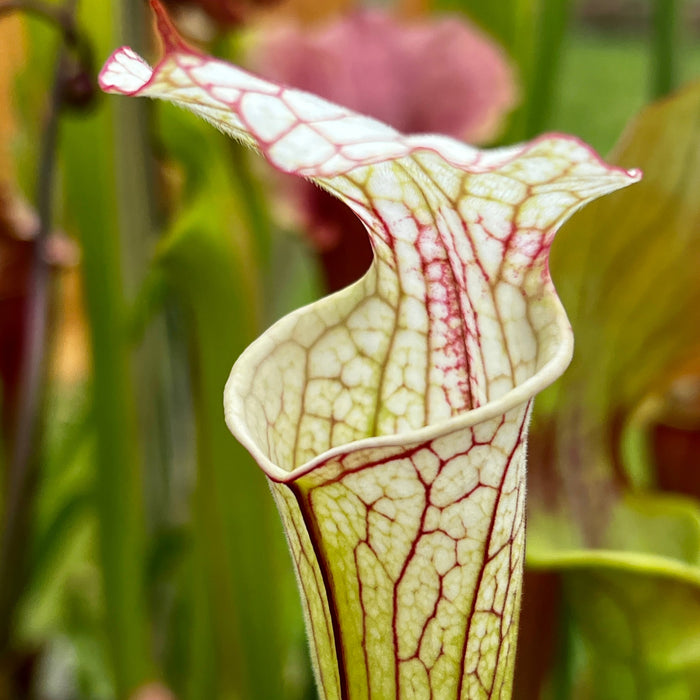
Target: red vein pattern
[421, 548]
[391, 417]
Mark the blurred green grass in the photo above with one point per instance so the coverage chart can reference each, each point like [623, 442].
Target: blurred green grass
[605, 80]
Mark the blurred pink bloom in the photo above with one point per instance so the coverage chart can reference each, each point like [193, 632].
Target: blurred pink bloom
[441, 75]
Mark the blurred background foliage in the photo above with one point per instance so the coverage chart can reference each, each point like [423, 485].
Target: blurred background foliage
[141, 251]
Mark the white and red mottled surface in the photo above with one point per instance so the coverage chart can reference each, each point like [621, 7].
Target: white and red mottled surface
[391, 417]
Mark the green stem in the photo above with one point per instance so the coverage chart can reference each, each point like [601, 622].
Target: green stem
[253, 209]
[89, 177]
[118, 484]
[207, 260]
[135, 169]
[139, 226]
[665, 46]
[563, 670]
[201, 679]
[551, 26]
[538, 28]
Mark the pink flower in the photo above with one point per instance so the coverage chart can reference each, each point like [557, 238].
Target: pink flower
[440, 76]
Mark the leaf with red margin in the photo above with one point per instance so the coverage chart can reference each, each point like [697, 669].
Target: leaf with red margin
[627, 270]
[390, 418]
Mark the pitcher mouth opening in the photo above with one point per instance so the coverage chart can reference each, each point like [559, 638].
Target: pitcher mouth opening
[461, 236]
[555, 355]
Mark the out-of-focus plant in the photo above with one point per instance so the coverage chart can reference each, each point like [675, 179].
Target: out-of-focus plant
[391, 418]
[633, 299]
[152, 559]
[533, 32]
[27, 271]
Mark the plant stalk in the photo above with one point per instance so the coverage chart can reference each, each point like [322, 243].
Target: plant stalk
[665, 28]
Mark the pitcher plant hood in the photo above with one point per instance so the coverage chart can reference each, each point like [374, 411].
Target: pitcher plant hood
[391, 417]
